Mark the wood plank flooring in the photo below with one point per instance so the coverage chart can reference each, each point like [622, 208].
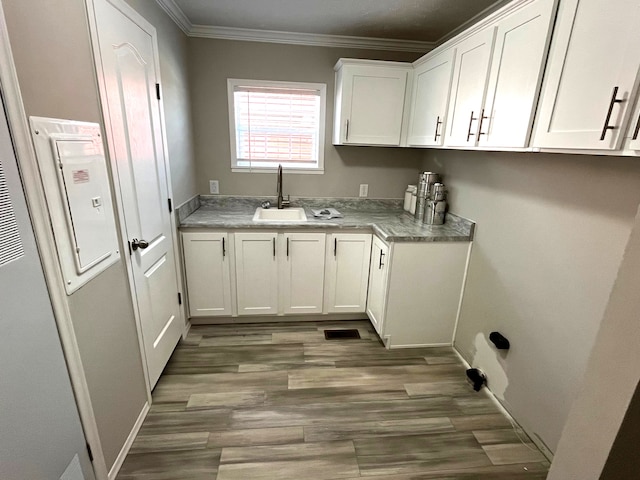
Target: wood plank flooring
[279, 402]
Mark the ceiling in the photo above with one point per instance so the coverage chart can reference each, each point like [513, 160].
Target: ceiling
[396, 24]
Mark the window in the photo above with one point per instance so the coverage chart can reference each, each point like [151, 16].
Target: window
[273, 123]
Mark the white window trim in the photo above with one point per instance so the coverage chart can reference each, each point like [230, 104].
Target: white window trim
[321, 87]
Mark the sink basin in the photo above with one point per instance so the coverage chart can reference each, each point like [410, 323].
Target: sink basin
[283, 215]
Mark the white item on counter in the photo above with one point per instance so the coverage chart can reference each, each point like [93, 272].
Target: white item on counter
[414, 200]
[326, 213]
[407, 197]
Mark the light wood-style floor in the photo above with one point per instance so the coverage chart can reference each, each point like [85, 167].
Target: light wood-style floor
[279, 402]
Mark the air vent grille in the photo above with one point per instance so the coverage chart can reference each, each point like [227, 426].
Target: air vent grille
[10, 243]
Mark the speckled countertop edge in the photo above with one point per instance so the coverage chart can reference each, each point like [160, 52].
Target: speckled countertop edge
[385, 217]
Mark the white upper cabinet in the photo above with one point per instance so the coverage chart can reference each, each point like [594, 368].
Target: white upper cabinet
[591, 73]
[430, 99]
[347, 272]
[302, 272]
[370, 102]
[471, 71]
[515, 76]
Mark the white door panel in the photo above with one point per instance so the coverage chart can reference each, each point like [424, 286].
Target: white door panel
[129, 62]
[303, 273]
[347, 277]
[256, 273]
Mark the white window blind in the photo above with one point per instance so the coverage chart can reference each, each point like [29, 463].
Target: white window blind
[276, 123]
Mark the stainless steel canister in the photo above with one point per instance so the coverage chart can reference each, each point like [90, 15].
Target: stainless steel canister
[425, 182]
[428, 178]
[436, 212]
[438, 192]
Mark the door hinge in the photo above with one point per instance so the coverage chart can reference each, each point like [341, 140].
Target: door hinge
[158, 91]
[130, 251]
[89, 452]
[170, 205]
[179, 298]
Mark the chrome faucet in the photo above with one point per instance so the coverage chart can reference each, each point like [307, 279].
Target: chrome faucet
[282, 203]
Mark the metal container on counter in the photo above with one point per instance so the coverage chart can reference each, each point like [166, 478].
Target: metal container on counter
[436, 209]
[425, 182]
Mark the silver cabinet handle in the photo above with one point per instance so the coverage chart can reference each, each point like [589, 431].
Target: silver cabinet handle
[482, 119]
[637, 129]
[346, 138]
[438, 123]
[381, 264]
[274, 248]
[471, 119]
[224, 250]
[335, 247]
[613, 101]
[287, 246]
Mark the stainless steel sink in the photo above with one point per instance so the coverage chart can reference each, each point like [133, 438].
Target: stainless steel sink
[282, 215]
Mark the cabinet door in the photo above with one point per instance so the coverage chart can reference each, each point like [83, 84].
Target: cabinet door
[429, 100]
[206, 263]
[256, 273]
[516, 73]
[347, 272]
[376, 299]
[372, 104]
[471, 71]
[590, 77]
[302, 272]
[634, 129]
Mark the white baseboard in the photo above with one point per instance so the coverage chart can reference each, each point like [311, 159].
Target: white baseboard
[127, 444]
[418, 345]
[278, 318]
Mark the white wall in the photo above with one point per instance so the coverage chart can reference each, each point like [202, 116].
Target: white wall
[551, 230]
[600, 438]
[211, 62]
[52, 53]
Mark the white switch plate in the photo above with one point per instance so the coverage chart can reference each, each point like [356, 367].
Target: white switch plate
[214, 187]
[364, 189]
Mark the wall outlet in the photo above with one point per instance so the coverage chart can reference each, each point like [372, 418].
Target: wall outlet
[364, 189]
[214, 187]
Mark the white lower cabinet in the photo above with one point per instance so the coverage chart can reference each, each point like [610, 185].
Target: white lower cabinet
[378, 284]
[256, 256]
[302, 273]
[206, 262]
[347, 272]
[415, 290]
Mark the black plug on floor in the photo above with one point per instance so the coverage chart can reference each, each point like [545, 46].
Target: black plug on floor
[477, 378]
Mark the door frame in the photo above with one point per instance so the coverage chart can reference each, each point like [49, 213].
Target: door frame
[148, 28]
[40, 221]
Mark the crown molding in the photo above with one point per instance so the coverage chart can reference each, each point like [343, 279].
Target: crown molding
[176, 14]
[314, 39]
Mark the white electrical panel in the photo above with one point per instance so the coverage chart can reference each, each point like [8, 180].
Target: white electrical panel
[76, 183]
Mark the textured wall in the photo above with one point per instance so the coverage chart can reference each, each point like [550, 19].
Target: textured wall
[211, 62]
[51, 47]
[549, 240]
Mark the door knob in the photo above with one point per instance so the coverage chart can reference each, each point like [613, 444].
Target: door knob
[135, 244]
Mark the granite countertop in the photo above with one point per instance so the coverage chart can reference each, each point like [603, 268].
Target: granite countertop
[385, 218]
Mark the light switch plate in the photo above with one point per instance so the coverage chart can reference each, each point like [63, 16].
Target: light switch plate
[364, 189]
[214, 187]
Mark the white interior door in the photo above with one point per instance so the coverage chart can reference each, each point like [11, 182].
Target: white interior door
[129, 68]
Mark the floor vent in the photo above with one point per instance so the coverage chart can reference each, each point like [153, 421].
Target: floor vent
[349, 334]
